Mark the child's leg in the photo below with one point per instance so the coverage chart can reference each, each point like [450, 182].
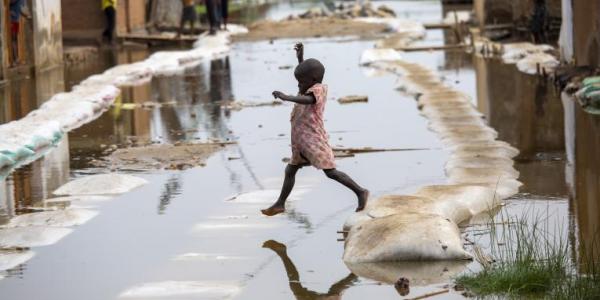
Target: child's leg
[343, 178]
[286, 189]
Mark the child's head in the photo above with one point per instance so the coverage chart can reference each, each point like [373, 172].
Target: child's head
[308, 73]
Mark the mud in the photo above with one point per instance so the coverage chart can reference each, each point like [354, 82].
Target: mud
[310, 28]
[152, 157]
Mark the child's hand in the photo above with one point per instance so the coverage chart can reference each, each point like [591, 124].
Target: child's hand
[299, 52]
[278, 95]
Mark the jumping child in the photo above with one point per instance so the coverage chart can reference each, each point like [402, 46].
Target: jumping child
[309, 138]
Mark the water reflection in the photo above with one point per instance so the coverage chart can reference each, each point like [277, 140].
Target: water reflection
[171, 189]
[300, 292]
[528, 114]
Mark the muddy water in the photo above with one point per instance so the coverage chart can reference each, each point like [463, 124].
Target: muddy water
[138, 236]
[144, 236]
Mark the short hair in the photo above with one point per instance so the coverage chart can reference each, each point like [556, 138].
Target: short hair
[311, 67]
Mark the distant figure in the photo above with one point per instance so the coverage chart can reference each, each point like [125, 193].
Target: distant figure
[16, 10]
[310, 144]
[539, 22]
[110, 11]
[188, 15]
[224, 13]
[211, 13]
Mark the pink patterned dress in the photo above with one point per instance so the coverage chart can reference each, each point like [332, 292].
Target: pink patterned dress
[309, 138]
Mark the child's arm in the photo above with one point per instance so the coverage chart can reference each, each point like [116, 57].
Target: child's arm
[299, 52]
[300, 99]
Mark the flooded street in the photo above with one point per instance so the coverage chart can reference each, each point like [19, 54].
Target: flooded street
[199, 227]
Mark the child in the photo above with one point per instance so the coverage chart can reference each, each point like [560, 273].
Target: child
[309, 138]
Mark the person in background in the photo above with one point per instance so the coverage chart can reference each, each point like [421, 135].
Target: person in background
[211, 13]
[188, 15]
[110, 11]
[16, 10]
[224, 13]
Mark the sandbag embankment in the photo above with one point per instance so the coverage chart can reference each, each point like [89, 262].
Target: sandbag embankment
[480, 173]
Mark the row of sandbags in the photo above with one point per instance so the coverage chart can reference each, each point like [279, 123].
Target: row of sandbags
[480, 173]
[529, 58]
[27, 138]
[51, 222]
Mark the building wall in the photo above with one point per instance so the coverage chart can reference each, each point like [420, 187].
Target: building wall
[131, 17]
[47, 29]
[586, 32]
[508, 11]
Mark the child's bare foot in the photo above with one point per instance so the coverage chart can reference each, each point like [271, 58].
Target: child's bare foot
[273, 210]
[274, 245]
[362, 200]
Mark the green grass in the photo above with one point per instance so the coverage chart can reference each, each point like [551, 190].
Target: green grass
[532, 263]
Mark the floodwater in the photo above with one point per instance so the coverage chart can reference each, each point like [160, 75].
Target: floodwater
[182, 228]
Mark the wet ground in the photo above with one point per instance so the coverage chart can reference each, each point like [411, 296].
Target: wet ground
[181, 226]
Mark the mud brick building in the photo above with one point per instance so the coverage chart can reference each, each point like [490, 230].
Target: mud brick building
[508, 11]
[40, 38]
[586, 32]
[84, 21]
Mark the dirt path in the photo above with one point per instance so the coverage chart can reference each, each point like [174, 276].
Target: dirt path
[304, 28]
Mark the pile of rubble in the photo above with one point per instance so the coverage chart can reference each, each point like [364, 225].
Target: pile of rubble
[347, 12]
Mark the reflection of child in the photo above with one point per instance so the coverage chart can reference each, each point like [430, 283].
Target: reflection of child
[309, 138]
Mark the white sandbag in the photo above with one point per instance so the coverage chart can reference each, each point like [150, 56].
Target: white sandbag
[102, 184]
[31, 236]
[538, 63]
[356, 218]
[10, 259]
[265, 196]
[58, 218]
[481, 162]
[370, 56]
[5, 161]
[187, 289]
[410, 28]
[476, 198]
[404, 237]
[499, 149]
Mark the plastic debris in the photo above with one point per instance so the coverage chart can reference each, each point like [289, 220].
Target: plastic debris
[102, 184]
[31, 236]
[204, 289]
[370, 56]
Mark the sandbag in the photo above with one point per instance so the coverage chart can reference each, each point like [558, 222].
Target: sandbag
[404, 237]
[102, 184]
[10, 259]
[370, 56]
[58, 218]
[31, 236]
